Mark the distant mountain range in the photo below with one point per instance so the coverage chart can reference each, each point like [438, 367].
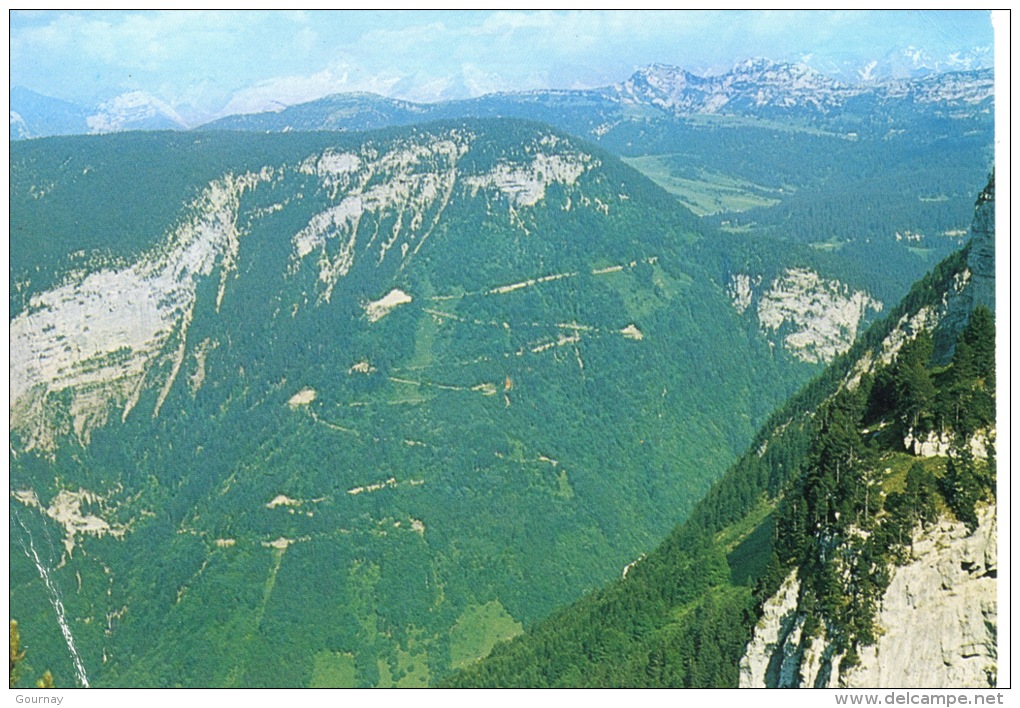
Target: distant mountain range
[758, 88]
[34, 115]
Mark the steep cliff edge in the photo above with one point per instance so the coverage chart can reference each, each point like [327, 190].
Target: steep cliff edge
[937, 622]
[887, 572]
[976, 284]
[938, 615]
[834, 552]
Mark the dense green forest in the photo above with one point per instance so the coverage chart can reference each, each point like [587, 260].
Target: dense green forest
[880, 211]
[826, 489]
[469, 462]
[380, 502]
[881, 186]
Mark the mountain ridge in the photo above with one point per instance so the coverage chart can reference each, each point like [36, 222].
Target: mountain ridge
[388, 350]
[758, 87]
[685, 615]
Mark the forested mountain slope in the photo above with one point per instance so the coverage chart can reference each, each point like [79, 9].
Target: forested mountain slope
[879, 176]
[358, 406]
[806, 563]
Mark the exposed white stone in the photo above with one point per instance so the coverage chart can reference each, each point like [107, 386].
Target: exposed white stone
[933, 445]
[410, 183]
[779, 613]
[938, 617]
[282, 500]
[66, 509]
[201, 352]
[302, 398]
[632, 332]
[740, 292]
[824, 314]
[97, 337]
[391, 482]
[27, 497]
[937, 621]
[378, 309]
[525, 184]
[940, 444]
[337, 163]
[905, 330]
[280, 544]
[361, 367]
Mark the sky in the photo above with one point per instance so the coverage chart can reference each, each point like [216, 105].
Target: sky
[211, 63]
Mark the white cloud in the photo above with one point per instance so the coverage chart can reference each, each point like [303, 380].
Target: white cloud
[280, 92]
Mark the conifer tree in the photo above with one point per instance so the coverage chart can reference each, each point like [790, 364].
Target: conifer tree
[915, 390]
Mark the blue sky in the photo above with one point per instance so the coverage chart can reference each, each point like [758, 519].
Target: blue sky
[217, 62]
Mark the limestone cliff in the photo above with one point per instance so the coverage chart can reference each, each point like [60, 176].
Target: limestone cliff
[937, 622]
[938, 615]
[813, 318]
[976, 285]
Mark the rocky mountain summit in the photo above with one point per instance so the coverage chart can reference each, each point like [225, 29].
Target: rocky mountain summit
[766, 88]
[756, 88]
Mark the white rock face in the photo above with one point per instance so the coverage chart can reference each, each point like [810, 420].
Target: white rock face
[418, 177]
[90, 347]
[740, 292]
[823, 314]
[96, 338]
[906, 330]
[939, 614]
[66, 509]
[101, 338]
[632, 332]
[934, 445]
[378, 309]
[937, 622]
[302, 398]
[407, 186]
[525, 184]
[941, 444]
[779, 614]
[760, 83]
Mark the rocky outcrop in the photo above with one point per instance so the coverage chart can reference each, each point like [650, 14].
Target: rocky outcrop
[767, 653]
[91, 347]
[758, 84]
[937, 622]
[938, 616]
[88, 347]
[943, 444]
[976, 285]
[816, 318]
